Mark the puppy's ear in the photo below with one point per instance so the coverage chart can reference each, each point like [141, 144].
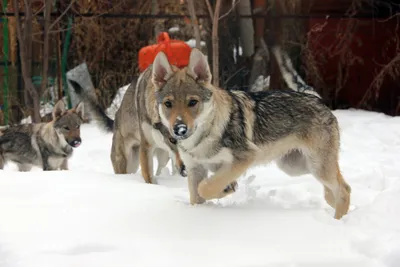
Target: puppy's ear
[198, 66]
[162, 70]
[58, 109]
[79, 109]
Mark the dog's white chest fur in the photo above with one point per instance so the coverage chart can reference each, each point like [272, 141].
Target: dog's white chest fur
[154, 136]
[197, 156]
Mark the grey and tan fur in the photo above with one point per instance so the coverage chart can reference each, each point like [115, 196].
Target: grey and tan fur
[289, 73]
[46, 145]
[137, 131]
[228, 132]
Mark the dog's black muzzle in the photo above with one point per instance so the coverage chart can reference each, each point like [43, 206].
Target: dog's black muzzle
[76, 142]
[180, 129]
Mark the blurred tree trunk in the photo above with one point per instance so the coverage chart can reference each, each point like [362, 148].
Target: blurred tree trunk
[46, 43]
[25, 42]
[215, 40]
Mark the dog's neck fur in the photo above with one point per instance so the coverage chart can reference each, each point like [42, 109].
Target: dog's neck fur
[209, 125]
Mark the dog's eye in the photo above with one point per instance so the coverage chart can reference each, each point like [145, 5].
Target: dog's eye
[192, 103]
[168, 104]
[66, 128]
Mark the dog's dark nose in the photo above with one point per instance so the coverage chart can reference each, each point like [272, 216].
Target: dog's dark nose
[180, 129]
[76, 142]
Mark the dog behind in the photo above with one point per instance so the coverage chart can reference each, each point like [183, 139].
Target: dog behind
[131, 131]
[289, 73]
[46, 145]
[230, 131]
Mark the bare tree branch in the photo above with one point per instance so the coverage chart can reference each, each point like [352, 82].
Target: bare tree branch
[62, 14]
[40, 10]
[379, 78]
[210, 11]
[195, 22]
[215, 44]
[24, 54]
[230, 10]
[46, 39]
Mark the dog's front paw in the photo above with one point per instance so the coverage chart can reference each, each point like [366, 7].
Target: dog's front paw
[183, 171]
[205, 190]
[231, 188]
[197, 200]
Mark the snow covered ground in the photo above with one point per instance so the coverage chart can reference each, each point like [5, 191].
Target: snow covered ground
[90, 217]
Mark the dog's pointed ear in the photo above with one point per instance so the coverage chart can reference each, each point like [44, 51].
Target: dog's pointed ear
[161, 70]
[79, 109]
[198, 66]
[58, 109]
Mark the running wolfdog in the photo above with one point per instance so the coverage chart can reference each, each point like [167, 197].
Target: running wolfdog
[46, 145]
[228, 132]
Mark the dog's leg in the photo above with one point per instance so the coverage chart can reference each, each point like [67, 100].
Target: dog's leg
[145, 158]
[118, 158]
[45, 162]
[64, 165]
[24, 167]
[223, 182]
[337, 191]
[342, 195]
[162, 159]
[295, 164]
[2, 162]
[174, 169]
[179, 165]
[195, 176]
[324, 166]
[132, 156]
[329, 197]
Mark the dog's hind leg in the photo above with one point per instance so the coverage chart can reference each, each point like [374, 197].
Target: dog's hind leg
[295, 164]
[117, 156]
[132, 155]
[323, 164]
[336, 190]
[146, 160]
[174, 169]
[162, 159]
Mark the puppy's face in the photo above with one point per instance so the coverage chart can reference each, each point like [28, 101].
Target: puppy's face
[183, 97]
[67, 123]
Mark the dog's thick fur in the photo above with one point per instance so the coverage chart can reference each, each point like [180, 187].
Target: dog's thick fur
[227, 132]
[137, 130]
[289, 74]
[46, 145]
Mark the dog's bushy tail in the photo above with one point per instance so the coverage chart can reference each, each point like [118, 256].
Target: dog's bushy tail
[289, 74]
[95, 109]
